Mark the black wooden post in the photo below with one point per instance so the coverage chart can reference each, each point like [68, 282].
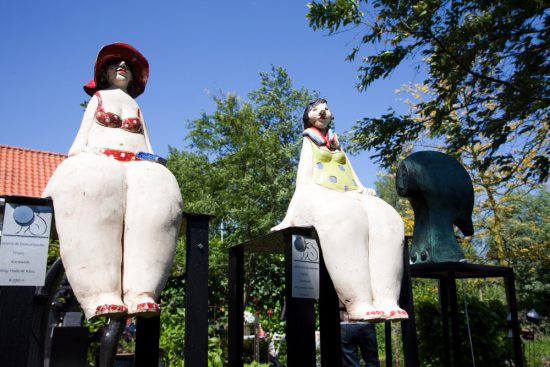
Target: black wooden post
[147, 342]
[455, 333]
[387, 341]
[16, 309]
[444, 306]
[196, 291]
[300, 319]
[236, 306]
[511, 296]
[329, 319]
[408, 327]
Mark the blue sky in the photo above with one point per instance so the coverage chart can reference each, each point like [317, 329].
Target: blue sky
[195, 49]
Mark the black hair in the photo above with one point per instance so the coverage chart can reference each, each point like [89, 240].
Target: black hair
[309, 107]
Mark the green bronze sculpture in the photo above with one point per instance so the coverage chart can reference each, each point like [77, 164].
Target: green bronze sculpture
[441, 194]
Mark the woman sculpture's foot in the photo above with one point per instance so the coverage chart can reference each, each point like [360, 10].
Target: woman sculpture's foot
[110, 310]
[147, 309]
[374, 316]
[398, 315]
[368, 313]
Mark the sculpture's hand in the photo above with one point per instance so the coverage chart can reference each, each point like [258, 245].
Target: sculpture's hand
[80, 149]
[368, 191]
[280, 226]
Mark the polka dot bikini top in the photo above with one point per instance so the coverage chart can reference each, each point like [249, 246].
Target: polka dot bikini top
[109, 119]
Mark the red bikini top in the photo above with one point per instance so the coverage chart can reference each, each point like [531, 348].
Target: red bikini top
[109, 119]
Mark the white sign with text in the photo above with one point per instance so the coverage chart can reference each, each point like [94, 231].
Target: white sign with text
[24, 244]
[305, 267]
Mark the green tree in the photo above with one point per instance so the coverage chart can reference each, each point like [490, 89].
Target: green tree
[526, 229]
[493, 187]
[499, 49]
[240, 166]
[242, 159]
[385, 189]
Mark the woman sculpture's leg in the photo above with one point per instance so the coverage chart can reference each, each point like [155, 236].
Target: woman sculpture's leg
[386, 232]
[152, 223]
[87, 191]
[342, 226]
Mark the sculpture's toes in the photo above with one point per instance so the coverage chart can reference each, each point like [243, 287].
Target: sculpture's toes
[110, 310]
[147, 309]
[369, 314]
[374, 316]
[143, 306]
[397, 314]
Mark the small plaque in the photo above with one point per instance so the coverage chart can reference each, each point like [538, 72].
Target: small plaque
[24, 244]
[305, 267]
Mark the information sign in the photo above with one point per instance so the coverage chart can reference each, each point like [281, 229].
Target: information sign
[305, 267]
[24, 244]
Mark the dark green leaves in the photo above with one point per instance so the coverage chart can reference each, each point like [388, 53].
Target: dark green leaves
[488, 62]
[243, 157]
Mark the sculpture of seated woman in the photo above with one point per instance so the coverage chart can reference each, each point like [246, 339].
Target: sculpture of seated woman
[117, 208]
[361, 235]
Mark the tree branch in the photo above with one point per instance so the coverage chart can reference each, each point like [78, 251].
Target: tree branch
[466, 68]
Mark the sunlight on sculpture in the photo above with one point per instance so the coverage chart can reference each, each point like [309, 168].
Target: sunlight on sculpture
[361, 235]
[117, 208]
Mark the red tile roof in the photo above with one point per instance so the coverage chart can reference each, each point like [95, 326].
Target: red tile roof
[26, 171]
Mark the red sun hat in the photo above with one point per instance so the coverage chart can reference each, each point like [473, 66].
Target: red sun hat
[121, 51]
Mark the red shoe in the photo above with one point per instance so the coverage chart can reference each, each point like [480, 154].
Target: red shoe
[147, 309]
[111, 310]
[398, 315]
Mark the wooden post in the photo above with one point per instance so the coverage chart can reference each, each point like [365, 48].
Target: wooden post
[196, 291]
[236, 306]
[329, 319]
[511, 296]
[455, 334]
[300, 319]
[408, 327]
[16, 311]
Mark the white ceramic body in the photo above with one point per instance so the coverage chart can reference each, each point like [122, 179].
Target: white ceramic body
[361, 238]
[118, 222]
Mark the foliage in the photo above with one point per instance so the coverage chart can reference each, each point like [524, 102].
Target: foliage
[248, 352]
[240, 166]
[242, 160]
[526, 230]
[256, 364]
[172, 317]
[495, 52]
[491, 345]
[493, 186]
[266, 289]
[385, 189]
[53, 252]
[215, 353]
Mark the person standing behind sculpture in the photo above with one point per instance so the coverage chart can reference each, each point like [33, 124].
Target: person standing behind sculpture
[117, 208]
[361, 236]
[357, 337]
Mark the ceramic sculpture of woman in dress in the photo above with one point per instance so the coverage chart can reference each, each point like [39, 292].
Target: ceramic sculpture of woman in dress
[117, 208]
[361, 235]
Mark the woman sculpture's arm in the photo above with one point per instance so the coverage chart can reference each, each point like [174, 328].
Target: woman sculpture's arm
[81, 141]
[303, 177]
[360, 188]
[145, 134]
